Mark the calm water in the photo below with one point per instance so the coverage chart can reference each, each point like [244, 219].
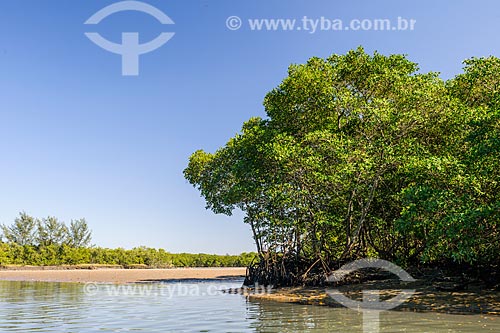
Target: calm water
[192, 307]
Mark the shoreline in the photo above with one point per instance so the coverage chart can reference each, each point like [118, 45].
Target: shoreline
[119, 275]
[426, 297]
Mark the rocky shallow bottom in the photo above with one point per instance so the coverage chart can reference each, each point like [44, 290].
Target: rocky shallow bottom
[474, 299]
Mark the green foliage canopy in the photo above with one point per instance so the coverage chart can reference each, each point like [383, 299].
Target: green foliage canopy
[362, 155]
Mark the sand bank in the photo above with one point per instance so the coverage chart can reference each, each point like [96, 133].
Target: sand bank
[113, 275]
[426, 297]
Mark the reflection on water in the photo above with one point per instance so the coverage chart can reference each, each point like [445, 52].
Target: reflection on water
[66, 307]
[303, 318]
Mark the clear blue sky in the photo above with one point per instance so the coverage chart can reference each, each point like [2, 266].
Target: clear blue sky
[77, 139]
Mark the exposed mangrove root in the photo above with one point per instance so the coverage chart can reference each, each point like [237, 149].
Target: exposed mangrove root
[446, 276]
[286, 272]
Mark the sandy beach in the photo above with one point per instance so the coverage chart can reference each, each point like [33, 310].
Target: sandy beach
[112, 275]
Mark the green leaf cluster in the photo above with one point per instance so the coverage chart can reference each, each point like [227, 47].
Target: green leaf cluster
[363, 155]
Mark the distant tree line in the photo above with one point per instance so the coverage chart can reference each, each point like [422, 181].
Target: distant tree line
[29, 231]
[49, 242]
[363, 155]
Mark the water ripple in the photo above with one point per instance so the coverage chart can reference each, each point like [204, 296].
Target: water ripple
[65, 307]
